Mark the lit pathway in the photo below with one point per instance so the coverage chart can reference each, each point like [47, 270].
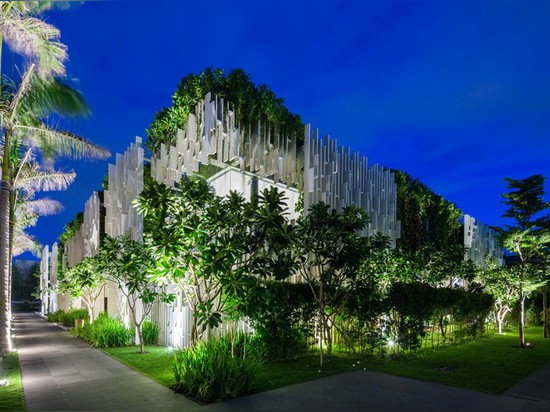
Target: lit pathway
[60, 372]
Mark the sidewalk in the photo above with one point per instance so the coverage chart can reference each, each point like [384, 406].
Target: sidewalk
[61, 372]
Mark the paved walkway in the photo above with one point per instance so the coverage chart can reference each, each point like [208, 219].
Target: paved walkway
[61, 372]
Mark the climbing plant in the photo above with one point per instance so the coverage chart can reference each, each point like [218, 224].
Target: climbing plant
[426, 217]
[250, 103]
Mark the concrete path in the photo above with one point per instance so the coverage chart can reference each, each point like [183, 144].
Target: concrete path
[60, 372]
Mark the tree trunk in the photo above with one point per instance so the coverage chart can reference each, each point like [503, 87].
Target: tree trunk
[194, 332]
[522, 305]
[5, 189]
[140, 338]
[90, 313]
[321, 322]
[545, 312]
[12, 226]
[321, 333]
[328, 336]
[522, 320]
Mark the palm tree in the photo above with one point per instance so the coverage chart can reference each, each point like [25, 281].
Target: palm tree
[29, 178]
[22, 109]
[32, 38]
[37, 42]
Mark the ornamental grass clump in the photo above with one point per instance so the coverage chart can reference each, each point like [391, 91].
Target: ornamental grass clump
[106, 332]
[57, 317]
[68, 318]
[208, 372]
[73, 314]
[150, 332]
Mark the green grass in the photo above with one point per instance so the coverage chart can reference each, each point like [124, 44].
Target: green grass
[11, 396]
[156, 362]
[489, 365]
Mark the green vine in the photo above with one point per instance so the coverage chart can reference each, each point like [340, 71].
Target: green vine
[250, 103]
[426, 217]
[71, 228]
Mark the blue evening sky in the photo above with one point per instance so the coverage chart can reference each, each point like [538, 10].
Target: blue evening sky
[456, 93]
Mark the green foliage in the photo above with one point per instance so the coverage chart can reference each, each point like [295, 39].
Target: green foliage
[127, 263]
[328, 250]
[12, 396]
[525, 200]
[530, 236]
[284, 320]
[57, 317]
[150, 332]
[68, 232]
[68, 318]
[490, 365]
[209, 372]
[426, 217]
[70, 228]
[249, 102]
[417, 305]
[106, 332]
[83, 280]
[218, 250]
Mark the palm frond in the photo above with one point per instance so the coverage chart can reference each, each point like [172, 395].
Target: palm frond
[35, 180]
[49, 96]
[62, 142]
[37, 41]
[23, 242]
[23, 88]
[44, 207]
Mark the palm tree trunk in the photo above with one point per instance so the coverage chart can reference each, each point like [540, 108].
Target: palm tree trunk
[5, 190]
[12, 225]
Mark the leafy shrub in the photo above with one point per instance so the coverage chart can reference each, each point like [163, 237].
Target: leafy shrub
[68, 318]
[284, 320]
[418, 304]
[150, 332]
[106, 332]
[208, 372]
[58, 316]
[73, 314]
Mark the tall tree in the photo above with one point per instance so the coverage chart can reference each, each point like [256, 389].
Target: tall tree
[85, 281]
[328, 250]
[38, 43]
[214, 249]
[526, 208]
[127, 262]
[22, 110]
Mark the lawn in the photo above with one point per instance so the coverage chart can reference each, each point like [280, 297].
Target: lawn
[11, 396]
[489, 365]
[155, 363]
